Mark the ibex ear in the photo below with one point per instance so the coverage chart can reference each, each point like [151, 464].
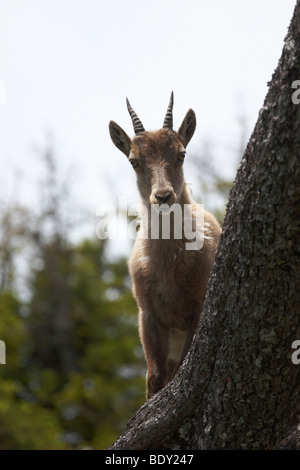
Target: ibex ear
[187, 127]
[120, 138]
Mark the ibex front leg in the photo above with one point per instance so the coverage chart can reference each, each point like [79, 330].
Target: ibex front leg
[153, 337]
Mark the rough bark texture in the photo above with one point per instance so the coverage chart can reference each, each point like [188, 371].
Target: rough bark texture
[238, 388]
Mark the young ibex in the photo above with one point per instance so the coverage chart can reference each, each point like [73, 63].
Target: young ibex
[169, 280]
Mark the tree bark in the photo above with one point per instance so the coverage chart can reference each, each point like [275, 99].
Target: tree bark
[238, 387]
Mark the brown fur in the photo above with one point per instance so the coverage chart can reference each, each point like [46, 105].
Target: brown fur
[169, 281]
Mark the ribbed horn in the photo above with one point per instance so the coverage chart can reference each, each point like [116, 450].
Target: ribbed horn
[137, 125]
[168, 122]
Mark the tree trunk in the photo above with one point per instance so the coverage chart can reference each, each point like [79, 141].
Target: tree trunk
[238, 387]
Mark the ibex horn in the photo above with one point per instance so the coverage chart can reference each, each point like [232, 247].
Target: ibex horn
[168, 122]
[137, 125]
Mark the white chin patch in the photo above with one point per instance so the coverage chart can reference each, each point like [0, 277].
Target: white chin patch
[176, 342]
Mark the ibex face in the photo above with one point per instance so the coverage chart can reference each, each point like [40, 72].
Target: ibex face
[157, 157]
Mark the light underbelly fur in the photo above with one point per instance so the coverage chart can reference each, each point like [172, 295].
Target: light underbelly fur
[176, 342]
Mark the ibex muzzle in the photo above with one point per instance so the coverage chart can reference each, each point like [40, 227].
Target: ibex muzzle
[161, 184]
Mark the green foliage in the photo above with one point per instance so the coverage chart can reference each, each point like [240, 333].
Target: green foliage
[26, 425]
[12, 330]
[75, 369]
[23, 424]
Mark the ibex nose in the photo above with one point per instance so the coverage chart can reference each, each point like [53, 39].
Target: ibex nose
[163, 197]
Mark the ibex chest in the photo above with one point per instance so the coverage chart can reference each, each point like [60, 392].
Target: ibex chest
[169, 285]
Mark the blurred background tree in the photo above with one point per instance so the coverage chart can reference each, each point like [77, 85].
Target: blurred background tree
[75, 368]
[75, 371]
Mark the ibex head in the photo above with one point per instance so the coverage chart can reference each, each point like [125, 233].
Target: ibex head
[157, 157]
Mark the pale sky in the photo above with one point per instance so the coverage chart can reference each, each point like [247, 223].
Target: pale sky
[68, 66]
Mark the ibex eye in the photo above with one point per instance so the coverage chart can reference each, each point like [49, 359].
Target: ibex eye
[134, 162]
[181, 157]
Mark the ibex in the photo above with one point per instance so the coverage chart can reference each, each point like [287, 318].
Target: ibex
[169, 281]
